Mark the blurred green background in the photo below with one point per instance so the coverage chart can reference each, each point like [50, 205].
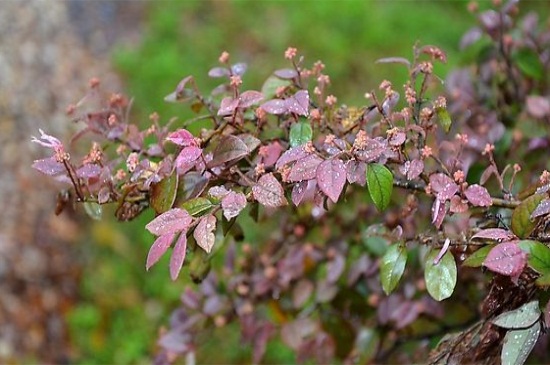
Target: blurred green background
[123, 306]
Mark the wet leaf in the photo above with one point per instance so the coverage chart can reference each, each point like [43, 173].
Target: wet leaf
[305, 168]
[392, 266]
[299, 191]
[228, 106]
[506, 259]
[249, 98]
[178, 256]
[300, 133]
[380, 184]
[187, 158]
[174, 220]
[182, 137]
[542, 209]
[476, 259]
[190, 186]
[197, 207]
[441, 278]
[331, 178]
[158, 248]
[291, 155]
[518, 344]
[522, 317]
[269, 192]
[372, 151]
[275, 106]
[232, 204]
[522, 225]
[49, 166]
[204, 233]
[439, 209]
[443, 185]
[538, 255]
[230, 148]
[496, 234]
[163, 193]
[356, 172]
[478, 196]
[298, 103]
[93, 210]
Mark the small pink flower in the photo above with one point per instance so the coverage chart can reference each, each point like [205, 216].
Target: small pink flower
[489, 148]
[132, 161]
[290, 53]
[459, 176]
[544, 177]
[323, 79]
[235, 81]
[426, 151]
[318, 67]
[331, 100]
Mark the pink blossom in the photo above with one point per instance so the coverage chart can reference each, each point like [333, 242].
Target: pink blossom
[290, 53]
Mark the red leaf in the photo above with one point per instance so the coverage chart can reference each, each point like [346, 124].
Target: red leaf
[232, 204]
[249, 98]
[291, 155]
[158, 248]
[275, 106]
[269, 192]
[49, 166]
[506, 259]
[305, 169]
[443, 185]
[186, 159]
[541, 209]
[478, 196]
[497, 234]
[298, 103]
[178, 256]
[228, 106]
[182, 137]
[331, 178]
[172, 221]
[204, 233]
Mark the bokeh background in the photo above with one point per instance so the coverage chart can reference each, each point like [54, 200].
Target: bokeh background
[73, 291]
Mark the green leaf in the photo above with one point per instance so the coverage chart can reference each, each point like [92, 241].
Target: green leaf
[163, 193]
[197, 207]
[517, 345]
[543, 281]
[444, 118]
[521, 317]
[375, 244]
[538, 255]
[393, 266]
[300, 133]
[93, 210]
[476, 259]
[522, 225]
[441, 278]
[529, 63]
[380, 184]
[270, 86]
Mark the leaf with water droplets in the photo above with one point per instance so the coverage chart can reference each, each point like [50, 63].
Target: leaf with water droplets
[158, 248]
[441, 277]
[204, 233]
[518, 344]
[522, 224]
[356, 172]
[478, 196]
[232, 204]
[392, 266]
[163, 193]
[372, 150]
[299, 191]
[178, 256]
[476, 259]
[230, 148]
[49, 166]
[331, 178]
[443, 185]
[182, 137]
[174, 220]
[269, 192]
[88, 171]
[275, 106]
[495, 234]
[380, 185]
[249, 98]
[522, 317]
[228, 106]
[506, 259]
[291, 155]
[298, 103]
[542, 209]
[300, 133]
[197, 207]
[187, 158]
[538, 255]
[305, 168]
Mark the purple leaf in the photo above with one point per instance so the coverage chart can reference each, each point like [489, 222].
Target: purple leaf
[291, 155]
[305, 169]
[249, 98]
[401, 60]
[397, 139]
[269, 192]
[172, 221]
[186, 159]
[229, 148]
[438, 212]
[232, 204]
[497, 234]
[331, 178]
[88, 171]
[470, 37]
[372, 151]
[541, 209]
[299, 103]
[443, 185]
[182, 137]
[286, 73]
[478, 196]
[271, 153]
[218, 72]
[356, 172]
[275, 106]
[181, 93]
[178, 256]
[49, 166]
[158, 248]
[415, 169]
[506, 259]
[538, 106]
[390, 102]
[228, 106]
[204, 233]
[239, 69]
[299, 191]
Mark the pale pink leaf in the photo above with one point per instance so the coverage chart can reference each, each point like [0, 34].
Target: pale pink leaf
[88, 171]
[218, 192]
[542, 209]
[538, 106]
[275, 106]
[443, 185]
[269, 192]
[182, 137]
[331, 178]
[187, 158]
[506, 259]
[291, 155]
[397, 139]
[371, 151]
[228, 106]
[204, 232]
[270, 153]
[356, 172]
[158, 248]
[305, 169]
[438, 212]
[298, 103]
[232, 204]
[478, 196]
[496, 234]
[458, 205]
[415, 169]
[49, 166]
[171, 221]
[249, 98]
[178, 256]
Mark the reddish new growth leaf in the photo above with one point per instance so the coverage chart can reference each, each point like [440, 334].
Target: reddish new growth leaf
[269, 192]
[182, 137]
[178, 256]
[204, 232]
[478, 196]
[187, 158]
[443, 186]
[412, 169]
[172, 221]
[232, 204]
[298, 104]
[496, 234]
[293, 154]
[458, 205]
[506, 259]
[305, 169]
[158, 249]
[270, 153]
[371, 150]
[331, 177]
